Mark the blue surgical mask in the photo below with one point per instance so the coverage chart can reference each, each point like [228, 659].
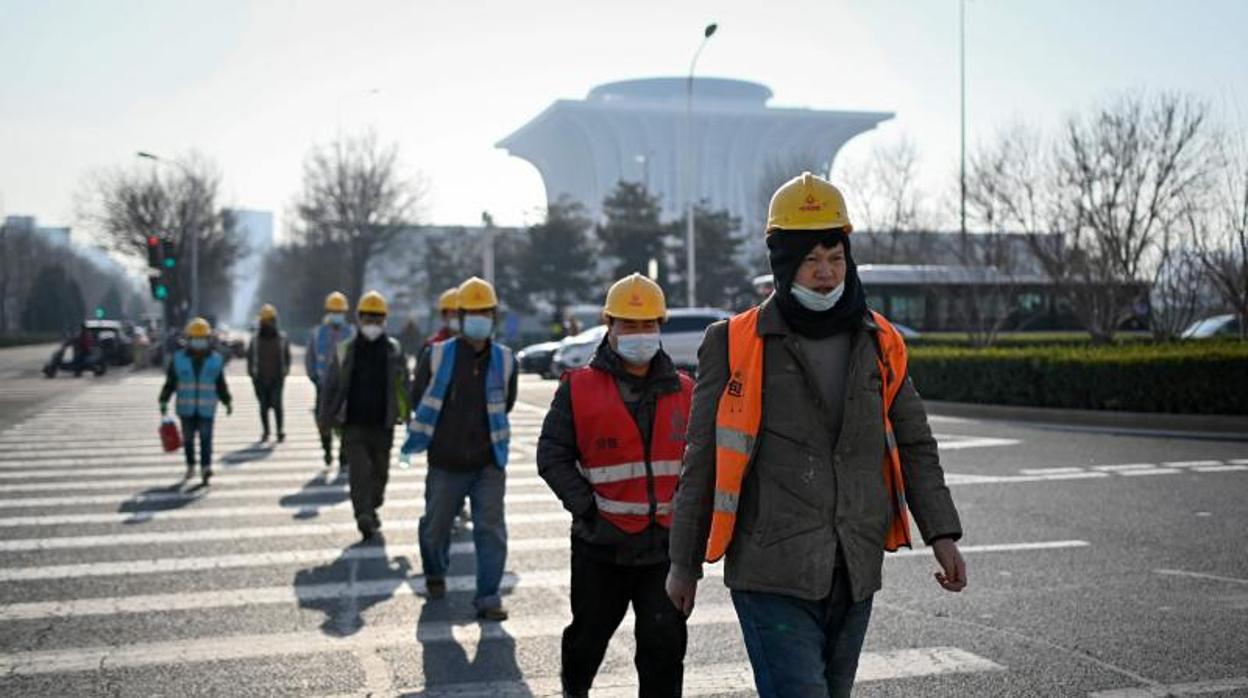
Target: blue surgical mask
[637, 349]
[335, 318]
[199, 344]
[478, 326]
[818, 302]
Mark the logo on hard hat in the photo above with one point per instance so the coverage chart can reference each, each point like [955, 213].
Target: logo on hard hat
[811, 204]
[635, 299]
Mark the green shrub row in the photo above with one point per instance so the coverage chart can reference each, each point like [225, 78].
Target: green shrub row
[26, 338]
[1179, 378]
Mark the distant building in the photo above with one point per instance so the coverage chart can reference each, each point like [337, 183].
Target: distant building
[256, 228]
[636, 130]
[28, 224]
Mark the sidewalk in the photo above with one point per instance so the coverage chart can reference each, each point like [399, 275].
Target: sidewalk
[1190, 426]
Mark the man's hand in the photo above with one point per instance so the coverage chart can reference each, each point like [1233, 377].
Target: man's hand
[229, 409]
[164, 408]
[953, 574]
[681, 593]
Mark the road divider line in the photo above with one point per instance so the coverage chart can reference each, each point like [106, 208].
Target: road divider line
[1051, 471]
[1126, 466]
[1154, 471]
[1190, 463]
[1220, 468]
[1200, 575]
[1196, 688]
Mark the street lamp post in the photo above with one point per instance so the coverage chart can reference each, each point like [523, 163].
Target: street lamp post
[962, 87]
[691, 273]
[194, 233]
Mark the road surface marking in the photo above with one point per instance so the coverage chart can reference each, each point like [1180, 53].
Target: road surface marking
[1154, 471]
[1201, 575]
[1178, 689]
[963, 442]
[1220, 468]
[1051, 471]
[1127, 466]
[727, 677]
[1190, 463]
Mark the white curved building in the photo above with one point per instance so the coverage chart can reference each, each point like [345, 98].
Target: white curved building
[635, 131]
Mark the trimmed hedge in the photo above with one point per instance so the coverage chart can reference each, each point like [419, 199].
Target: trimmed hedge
[21, 339]
[1175, 378]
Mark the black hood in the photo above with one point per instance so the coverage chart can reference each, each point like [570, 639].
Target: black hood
[787, 249]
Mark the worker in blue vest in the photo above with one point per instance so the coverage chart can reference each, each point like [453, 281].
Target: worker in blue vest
[323, 340]
[463, 390]
[197, 375]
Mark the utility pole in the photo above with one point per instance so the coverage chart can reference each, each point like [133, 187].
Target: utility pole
[962, 85]
[487, 246]
[691, 268]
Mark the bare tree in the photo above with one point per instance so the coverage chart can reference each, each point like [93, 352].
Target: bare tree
[127, 205]
[355, 197]
[1122, 174]
[1224, 252]
[885, 201]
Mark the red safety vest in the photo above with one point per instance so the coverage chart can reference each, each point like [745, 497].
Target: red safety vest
[613, 457]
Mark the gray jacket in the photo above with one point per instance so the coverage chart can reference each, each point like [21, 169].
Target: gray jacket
[332, 411]
[805, 496]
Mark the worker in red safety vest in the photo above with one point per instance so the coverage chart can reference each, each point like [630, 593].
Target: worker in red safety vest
[610, 449]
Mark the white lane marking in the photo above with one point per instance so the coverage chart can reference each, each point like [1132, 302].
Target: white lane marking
[468, 635]
[401, 584]
[1154, 471]
[727, 677]
[1125, 466]
[953, 479]
[174, 466]
[1221, 469]
[1051, 471]
[300, 497]
[248, 532]
[327, 556]
[148, 515]
[378, 679]
[225, 485]
[947, 420]
[1179, 689]
[1200, 575]
[961, 442]
[1238, 461]
[1190, 463]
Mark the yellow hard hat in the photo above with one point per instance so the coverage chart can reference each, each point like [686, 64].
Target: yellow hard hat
[449, 300]
[477, 294]
[807, 202]
[372, 302]
[635, 297]
[268, 312]
[336, 303]
[198, 328]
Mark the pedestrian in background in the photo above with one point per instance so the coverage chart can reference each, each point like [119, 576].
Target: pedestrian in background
[197, 375]
[366, 396]
[268, 364]
[448, 313]
[323, 341]
[464, 389]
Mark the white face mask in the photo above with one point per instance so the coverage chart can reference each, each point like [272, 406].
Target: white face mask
[637, 349]
[452, 324]
[371, 332]
[818, 302]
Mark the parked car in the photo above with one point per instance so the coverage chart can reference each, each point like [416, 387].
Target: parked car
[1215, 326]
[681, 335]
[537, 358]
[112, 340]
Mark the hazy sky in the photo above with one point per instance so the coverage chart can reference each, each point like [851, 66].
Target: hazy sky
[252, 85]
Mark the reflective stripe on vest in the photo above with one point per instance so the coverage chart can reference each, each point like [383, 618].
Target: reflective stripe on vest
[442, 370]
[612, 457]
[739, 418]
[327, 338]
[197, 394]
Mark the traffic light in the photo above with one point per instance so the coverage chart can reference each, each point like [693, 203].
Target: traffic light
[154, 251]
[168, 254]
[160, 288]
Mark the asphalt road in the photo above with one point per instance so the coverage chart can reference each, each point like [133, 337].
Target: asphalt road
[1099, 565]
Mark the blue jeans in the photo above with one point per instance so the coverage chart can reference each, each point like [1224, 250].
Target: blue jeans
[202, 426]
[444, 496]
[802, 648]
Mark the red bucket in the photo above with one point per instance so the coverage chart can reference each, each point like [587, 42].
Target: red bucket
[170, 437]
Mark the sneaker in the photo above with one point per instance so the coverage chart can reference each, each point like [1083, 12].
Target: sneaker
[436, 587]
[190, 471]
[264, 437]
[281, 437]
[329, 459]
[497, 614]
[366, 529]
[206, 477]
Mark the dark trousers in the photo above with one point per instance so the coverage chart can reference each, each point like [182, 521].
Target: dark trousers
[270, 397]
[368, 451]
[203, 427]
[327, 435]
[601, 593]
[801, 648]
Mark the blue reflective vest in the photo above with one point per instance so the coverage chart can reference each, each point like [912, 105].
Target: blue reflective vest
[442, 369]
[197, 395]
[325, 339]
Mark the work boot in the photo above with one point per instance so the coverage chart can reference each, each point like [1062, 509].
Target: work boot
[497, 614]
[281, 436]
[190, 471]
[435, 587]
[329, 459]
[206, 476]
[367, 526]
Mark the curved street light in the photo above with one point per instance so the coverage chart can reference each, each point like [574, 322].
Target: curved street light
[691, 273]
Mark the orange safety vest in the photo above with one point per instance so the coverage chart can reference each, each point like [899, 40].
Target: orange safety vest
[740, 415]
[618, 465]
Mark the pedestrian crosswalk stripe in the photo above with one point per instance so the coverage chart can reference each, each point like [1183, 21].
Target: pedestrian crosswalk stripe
[228, 598]
[726, 677]
[223, 475]
[199, 513]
